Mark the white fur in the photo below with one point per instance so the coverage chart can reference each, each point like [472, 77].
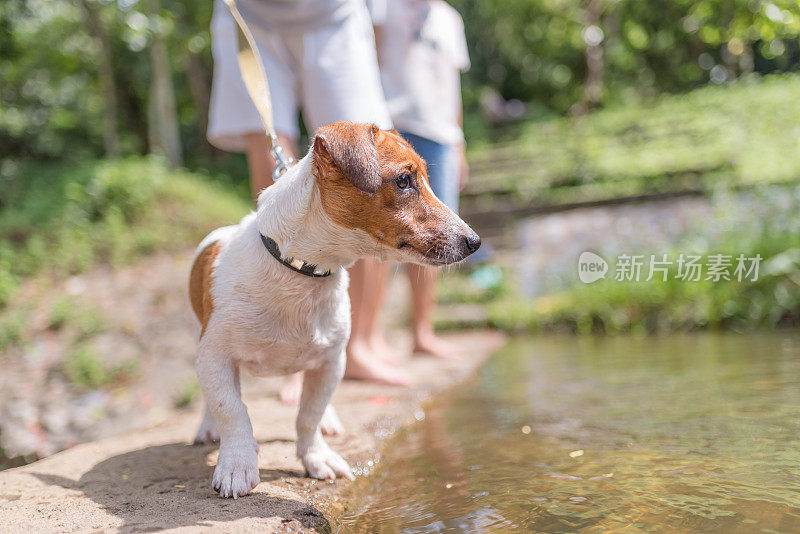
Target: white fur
[274, 321]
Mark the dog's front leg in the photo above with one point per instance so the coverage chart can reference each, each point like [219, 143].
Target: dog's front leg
[237, 466]
[318, 387]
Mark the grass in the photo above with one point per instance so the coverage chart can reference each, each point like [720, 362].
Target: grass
[12, 328]
[188, 392]
[744, 134]
[63, 219]
[84, 320]
[86, 370]
[478, 286]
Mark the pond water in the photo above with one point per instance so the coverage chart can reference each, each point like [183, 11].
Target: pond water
[681, 433]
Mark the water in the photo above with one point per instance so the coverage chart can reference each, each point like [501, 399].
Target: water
[687, 433]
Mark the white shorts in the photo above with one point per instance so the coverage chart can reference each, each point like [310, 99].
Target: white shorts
[330, 72]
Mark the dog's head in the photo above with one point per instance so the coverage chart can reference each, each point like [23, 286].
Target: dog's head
[372, 180]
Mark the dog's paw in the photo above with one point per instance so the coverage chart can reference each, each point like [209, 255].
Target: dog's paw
[207, 433]
[237, 469]
[322, 463]
[330, 424]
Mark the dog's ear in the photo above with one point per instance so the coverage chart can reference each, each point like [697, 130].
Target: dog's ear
[350, 147]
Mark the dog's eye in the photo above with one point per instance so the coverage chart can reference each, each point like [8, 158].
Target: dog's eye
[403, 181]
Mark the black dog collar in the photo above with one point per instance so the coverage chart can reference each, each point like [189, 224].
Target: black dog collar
[298, 266]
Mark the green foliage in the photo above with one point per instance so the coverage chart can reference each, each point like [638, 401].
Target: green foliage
[84, 319]
[51, 99]
[741, 135]
[86, 370]
[60, 313]
[122, 189]
[765, 222]
[473, 286]
[8, 280]
[187, 393]
[65, 218]
[48, 101]
[535, 50]
[12, 327]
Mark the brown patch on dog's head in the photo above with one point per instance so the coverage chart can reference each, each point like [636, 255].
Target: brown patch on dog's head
[200, 280]
[372, 180]
[351, 149]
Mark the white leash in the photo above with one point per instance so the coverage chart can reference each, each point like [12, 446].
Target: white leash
[255, 79]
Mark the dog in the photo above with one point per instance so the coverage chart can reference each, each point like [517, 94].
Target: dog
[270, 293]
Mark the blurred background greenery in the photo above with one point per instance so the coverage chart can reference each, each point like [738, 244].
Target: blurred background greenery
[91, 78]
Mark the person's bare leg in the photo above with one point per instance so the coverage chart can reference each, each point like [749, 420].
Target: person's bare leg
[260, 162]
[291, 389]
[365, 300]
[377, 338]
[423, 302]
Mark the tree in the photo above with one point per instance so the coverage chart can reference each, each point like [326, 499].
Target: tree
[593, 37]
[163, 117]
[107, 79]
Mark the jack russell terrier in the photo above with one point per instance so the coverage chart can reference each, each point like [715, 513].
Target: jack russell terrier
[270, 293]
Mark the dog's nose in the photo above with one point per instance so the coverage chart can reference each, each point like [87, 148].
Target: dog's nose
[473, 242]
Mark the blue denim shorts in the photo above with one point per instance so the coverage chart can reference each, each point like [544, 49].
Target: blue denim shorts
[443, 168]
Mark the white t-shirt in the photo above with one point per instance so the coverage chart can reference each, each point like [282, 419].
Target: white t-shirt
[422, 51]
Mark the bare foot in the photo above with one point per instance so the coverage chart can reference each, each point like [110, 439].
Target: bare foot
[363, 365]
[432, 345]
[292, 389]
[382, 350]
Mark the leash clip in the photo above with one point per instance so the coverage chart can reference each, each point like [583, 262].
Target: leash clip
[283, 162]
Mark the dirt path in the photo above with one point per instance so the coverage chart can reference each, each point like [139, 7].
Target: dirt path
[154, 480]
[114, 317]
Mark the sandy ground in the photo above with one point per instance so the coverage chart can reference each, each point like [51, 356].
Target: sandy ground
[145, 318]
[154, 480]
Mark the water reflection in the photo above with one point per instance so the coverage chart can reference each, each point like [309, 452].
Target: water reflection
[689, 433]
